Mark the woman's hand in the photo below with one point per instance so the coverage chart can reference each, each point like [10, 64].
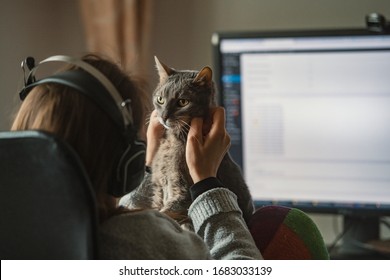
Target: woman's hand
[153, 137]
[205, 150]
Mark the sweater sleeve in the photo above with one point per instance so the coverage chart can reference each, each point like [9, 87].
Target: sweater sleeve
[218, 220]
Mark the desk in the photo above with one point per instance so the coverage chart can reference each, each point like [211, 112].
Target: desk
[373, 250]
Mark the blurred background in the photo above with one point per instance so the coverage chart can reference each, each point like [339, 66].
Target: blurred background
[133, 31]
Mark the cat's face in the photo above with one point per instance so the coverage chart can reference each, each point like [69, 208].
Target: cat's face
[182, 95]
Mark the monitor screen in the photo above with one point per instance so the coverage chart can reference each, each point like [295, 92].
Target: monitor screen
[308, 113]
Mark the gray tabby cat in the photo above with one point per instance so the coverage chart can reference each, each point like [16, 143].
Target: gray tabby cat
[179, 97]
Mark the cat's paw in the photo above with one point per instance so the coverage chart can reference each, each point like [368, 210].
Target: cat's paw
[187, 226]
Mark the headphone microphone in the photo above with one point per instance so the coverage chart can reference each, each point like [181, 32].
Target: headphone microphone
[89, 81]
[30, 63]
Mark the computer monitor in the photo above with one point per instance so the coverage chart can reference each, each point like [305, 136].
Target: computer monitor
[308, 113]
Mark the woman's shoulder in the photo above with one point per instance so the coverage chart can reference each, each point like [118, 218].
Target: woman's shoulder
[135, 220]
[148, 234]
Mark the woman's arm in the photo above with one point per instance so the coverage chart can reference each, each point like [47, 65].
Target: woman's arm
[214, 212]
[218, 220]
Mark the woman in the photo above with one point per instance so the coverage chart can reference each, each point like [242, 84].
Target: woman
[221, 232]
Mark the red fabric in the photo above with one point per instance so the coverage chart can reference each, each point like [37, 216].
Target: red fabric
[286, 245]
[274, 237]
[265, 223]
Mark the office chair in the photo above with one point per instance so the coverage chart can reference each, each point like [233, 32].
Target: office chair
[47, 205]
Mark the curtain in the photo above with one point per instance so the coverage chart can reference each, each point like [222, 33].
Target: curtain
[120, 30]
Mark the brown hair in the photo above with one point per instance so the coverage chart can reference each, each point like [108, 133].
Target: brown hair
[81, 123]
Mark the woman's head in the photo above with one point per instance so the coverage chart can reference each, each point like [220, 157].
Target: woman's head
[81, 123]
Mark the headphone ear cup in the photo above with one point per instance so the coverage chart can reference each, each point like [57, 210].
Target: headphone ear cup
[130, 170]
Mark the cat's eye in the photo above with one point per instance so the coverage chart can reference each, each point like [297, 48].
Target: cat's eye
[183, 102]
[160, 100]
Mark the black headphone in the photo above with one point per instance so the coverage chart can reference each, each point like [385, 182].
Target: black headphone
[130, 164]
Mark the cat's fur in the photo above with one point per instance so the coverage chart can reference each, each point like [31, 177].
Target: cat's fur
[179, 97]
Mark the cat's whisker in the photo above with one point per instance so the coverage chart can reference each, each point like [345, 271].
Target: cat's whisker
[147, 119]
[184, 129]
[185, 126]
[180, 129]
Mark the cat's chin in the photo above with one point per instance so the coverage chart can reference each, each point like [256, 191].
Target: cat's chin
[166, 126]
[183, 122]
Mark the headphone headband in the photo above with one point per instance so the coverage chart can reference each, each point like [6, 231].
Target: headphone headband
[119, 102]
[129, 161]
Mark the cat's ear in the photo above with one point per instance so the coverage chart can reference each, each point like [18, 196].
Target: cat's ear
[163, 70]
[204, 76]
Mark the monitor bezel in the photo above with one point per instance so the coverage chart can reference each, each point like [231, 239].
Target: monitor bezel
[218, 37]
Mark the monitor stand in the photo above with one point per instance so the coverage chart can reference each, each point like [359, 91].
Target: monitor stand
[358, 231]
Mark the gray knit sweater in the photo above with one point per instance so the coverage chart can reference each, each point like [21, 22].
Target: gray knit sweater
[220, 232]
